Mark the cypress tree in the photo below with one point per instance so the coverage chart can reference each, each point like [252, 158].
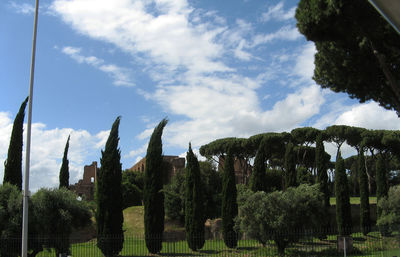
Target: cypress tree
[109, 217]
[229, 202]
[381, 185]
[320, 163]
[64, 171]
[343, 207]
[194, 216]
[258, 176]
[290, 166]
[365, 221]
[13, 164]
[153, 196]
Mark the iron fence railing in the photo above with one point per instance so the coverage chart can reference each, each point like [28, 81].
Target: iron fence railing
[305, 243]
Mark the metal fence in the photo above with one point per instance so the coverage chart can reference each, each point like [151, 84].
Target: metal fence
[304, 243]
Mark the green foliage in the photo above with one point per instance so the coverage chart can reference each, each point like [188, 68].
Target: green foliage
[357, 50]
[212, 188]
[174, 192]
[321, 161]
[64, 171]
[194, 216]
[365, 221]
[343, 207]
[290, 166]
[258, 178]
[273, 180]
[153, 195]
[57, 212]
[13, 164]
[10, 218]
[305, 135]
[381, 181]
[275, 216]
[132, 188]
[109, 217]
[229, 209]
[174, 202]
[390, 210]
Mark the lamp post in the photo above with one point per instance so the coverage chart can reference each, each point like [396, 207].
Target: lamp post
[390, 10]
[24, 248]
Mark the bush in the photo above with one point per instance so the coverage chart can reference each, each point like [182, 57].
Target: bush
[132, 188]
[175, 197]
[275, 216]
[390, 210]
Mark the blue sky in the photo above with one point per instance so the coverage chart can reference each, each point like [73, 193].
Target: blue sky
[214, 68]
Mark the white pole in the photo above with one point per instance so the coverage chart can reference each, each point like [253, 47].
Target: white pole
[24, 247]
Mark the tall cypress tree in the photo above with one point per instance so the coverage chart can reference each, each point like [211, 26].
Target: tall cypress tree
[365, 221]
[109, 216]
[13, 164]
[258, 176]
[343, 207]
[290, 166]
[64, 171]
[229, 202]
[320, 162]
[381, 185]
[194, 216]
[153, 196]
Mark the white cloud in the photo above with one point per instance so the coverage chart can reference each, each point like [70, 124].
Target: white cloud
[369, 115]
[184, 51]
[284, 33]
[118, 74]
[168, 36]
[23, 8]
[277, 13]
[304, 67]
[47, 147]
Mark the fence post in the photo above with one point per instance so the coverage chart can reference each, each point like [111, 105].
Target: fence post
[344, 246]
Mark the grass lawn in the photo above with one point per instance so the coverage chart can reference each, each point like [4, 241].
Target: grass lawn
[354, 200]
[370, 245]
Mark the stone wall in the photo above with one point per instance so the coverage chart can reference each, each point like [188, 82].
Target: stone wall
[85, 186]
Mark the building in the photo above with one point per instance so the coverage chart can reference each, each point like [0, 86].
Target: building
[85, 187]
[173, 165]
[242, 169]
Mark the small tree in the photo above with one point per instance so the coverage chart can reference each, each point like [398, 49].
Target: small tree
[153, 196]
[343, 207]
[229, 209]
[64, 171]
[109, 217]
[258, 176]
[57, 212]
[282, 216]
[174, 197]
[290, 166]
[365, 221]
[132, 188]
[390, 207]
[13, 164]
[10, 220]
[194, 216]
[381, 181]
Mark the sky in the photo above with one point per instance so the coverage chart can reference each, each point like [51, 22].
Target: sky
[215, 69]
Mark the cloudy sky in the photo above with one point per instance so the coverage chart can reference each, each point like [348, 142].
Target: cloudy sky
[214, 68]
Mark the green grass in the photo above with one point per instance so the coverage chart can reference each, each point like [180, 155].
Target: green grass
[133, 220]
[370, 245]
[354, 200]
